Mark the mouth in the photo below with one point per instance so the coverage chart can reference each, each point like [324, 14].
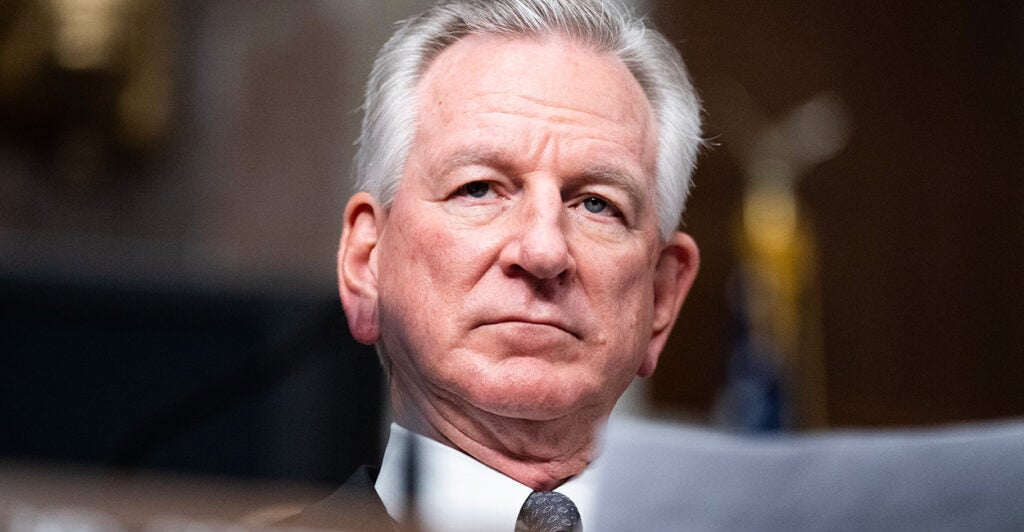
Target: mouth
[528, 323]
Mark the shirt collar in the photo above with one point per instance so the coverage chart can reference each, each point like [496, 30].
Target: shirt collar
[459, 493]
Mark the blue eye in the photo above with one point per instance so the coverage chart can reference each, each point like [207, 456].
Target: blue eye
[477, 189]
[595, 205]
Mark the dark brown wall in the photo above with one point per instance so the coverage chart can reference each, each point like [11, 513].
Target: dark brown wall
[920, 220]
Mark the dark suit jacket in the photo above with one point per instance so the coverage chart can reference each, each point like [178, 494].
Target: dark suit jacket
[355, 506]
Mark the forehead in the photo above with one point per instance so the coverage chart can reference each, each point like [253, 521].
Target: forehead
[553, 79]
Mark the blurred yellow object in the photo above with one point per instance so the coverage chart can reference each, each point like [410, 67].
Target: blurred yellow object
[778, 262]
[775, 242]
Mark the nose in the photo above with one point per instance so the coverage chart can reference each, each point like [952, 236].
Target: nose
[537, 245]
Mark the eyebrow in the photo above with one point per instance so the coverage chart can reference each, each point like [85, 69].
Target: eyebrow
[475, 157]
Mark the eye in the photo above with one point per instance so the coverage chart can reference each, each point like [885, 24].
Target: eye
[600, 206]
[475, 189]
[595, 205]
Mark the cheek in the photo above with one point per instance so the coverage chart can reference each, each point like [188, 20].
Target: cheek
[623, 282]
[625, 304]
[424, 268]
[409, 267]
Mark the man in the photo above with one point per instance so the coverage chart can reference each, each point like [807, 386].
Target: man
[512, 251]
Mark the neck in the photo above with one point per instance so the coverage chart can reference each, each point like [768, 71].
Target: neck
[539, 454]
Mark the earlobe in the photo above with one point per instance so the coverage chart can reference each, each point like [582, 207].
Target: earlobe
[674, 275]
[357, 266]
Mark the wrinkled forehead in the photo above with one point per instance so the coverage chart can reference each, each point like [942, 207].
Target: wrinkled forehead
[527, 74]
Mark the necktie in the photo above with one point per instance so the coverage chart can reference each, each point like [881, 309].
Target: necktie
[548, 511]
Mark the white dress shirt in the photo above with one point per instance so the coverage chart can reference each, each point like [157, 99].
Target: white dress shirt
[456, 492]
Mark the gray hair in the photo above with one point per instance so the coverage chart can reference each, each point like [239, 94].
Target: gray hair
[389, 120]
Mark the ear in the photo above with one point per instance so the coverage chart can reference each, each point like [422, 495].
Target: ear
[357, 266]
[673, 276]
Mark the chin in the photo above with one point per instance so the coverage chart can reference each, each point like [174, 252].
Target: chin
[534, 395]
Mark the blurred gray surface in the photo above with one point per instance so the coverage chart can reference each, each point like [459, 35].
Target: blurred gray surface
[671, 477]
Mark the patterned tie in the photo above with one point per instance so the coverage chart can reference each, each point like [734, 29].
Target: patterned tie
[548, 511]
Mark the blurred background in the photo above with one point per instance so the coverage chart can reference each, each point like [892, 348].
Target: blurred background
[172, 177]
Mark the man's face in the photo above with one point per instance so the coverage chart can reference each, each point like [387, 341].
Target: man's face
[519, 267]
